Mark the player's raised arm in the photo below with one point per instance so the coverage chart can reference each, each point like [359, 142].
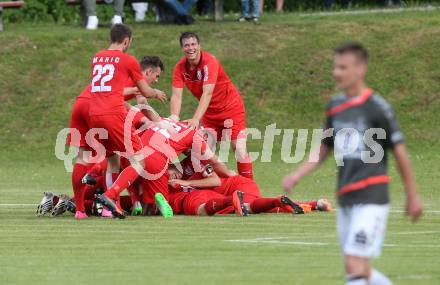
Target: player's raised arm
[414, 206]
[305, 168]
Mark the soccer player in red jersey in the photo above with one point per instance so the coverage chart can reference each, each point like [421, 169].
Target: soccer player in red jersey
[162, 148]
[111, 70]
[242, 192]
[152, 68]
[220, 104]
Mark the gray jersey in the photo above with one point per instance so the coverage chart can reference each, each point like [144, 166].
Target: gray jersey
[362, 129]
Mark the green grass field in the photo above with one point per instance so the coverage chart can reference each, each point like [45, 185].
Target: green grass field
[283, 70]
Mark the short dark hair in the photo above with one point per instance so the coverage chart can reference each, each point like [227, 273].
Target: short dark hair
[356, 49]
[151, 62]
[187, 35]
[119, 32]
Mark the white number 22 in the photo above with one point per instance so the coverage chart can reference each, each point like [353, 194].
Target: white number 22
[99, 81]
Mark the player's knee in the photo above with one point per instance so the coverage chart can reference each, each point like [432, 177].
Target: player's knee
[357, 266]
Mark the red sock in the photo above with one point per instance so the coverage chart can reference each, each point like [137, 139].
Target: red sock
[134, 193]
[277, 210]
[312, 204]
[79, 170]
[96, 169]
[125, 203]
[88, 205]
[217, 204]
[245, 169]
[261, 205]
[125, 179]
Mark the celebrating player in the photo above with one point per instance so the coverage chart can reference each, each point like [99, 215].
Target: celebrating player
[111, 70]
[151, 67]
[359, 123]
[220, 104]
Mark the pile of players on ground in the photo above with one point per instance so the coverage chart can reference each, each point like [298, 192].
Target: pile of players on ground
[191, 186]
[167, 165]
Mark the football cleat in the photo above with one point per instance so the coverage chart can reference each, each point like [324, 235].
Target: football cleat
[88, 179]
[238, 202]
[46, 204]
[137, 209]
[106, 213]
[111, 206]
[64, 203]
[97, 207]
[80, 215]
[324, 205]
[162, 204]
[296, 208]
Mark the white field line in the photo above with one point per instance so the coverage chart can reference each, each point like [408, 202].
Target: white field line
[371, 11]
[285, 241]
[34, 205]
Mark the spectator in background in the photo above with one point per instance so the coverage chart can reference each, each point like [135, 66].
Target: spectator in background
[139, 8]
[245, 8]
[92, 19]
[204, 6]
[279, 6]
[176, 11]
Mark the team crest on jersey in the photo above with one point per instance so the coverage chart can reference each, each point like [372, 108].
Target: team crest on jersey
[199, 74]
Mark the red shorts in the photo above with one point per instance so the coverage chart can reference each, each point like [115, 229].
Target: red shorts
[196, 198]
[79, 120]
[156, 177]
[114, 124]
[234, 120]
[248, 186]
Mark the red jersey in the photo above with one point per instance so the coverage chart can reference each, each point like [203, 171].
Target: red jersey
[209, 71]
[111, 70]
[172, 145]
[86, 94]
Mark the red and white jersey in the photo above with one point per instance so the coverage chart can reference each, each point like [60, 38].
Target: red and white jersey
[111, 70]
[172, 145]
[209, 71]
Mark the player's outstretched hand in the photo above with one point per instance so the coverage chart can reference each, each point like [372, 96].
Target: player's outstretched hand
[160, 95]
[193, 123]
[289, 182]
[414, 208]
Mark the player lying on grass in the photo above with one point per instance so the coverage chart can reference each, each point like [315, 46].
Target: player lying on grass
[361, 126]
[205, 193]
[152, 68]
[162, 147]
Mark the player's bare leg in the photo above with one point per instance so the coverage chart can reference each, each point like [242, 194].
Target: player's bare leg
[244, 162]
[360, 272]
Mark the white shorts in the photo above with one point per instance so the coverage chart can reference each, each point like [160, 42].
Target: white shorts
[361, 229]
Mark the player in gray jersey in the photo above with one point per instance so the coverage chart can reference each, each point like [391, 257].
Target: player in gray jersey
[360, 127]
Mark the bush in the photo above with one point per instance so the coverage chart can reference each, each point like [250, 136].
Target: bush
[58, 11]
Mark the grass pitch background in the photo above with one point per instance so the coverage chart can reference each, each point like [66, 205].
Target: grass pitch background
[282, 69]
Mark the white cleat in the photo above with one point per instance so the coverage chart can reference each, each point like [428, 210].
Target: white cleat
[46, 204]
[116, 20]
[92, 23]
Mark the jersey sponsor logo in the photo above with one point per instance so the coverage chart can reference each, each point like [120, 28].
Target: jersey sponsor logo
[205, 70]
